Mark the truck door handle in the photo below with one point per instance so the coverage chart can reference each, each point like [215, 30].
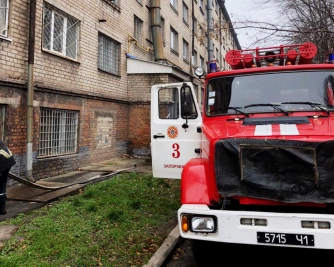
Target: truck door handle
[158, 136]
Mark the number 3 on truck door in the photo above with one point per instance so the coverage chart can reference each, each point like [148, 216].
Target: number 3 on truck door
[175, 116]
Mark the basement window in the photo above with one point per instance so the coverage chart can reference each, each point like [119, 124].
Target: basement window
[58, 132]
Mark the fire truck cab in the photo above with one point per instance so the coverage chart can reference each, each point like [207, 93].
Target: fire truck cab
[256, 163]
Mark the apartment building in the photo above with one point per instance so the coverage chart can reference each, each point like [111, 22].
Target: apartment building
[75, 76]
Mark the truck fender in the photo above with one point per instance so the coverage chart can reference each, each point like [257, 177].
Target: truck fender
[194, 185]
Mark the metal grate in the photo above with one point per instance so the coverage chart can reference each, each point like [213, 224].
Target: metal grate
[58, 132]
[60, 32]
[3, 17]
[108, 54]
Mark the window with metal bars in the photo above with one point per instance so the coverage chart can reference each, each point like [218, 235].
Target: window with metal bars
[58, 132]
[60, 32]
[4, 6]
[108, 54]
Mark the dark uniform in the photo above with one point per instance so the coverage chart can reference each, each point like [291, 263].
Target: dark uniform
[6, 162]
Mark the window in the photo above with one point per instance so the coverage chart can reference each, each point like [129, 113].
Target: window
[116, 2]
[108, 54]
[185, 13]
[201, 4]
[217, 54]
[194, 58]
[174, 42]
[139, 1]
[173, 3]
[185, 50]
[60, 32]
[195, 25]
[138, 28]
[58, 132]
[201, 62]
[169, 103]
[163, 29]
[4, 5]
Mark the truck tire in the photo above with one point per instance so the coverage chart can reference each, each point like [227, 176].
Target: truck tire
[206, 253]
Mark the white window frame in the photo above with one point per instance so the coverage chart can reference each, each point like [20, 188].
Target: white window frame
[174, 39]
[55, 12]
[108, 54]
[4, 19]
[185, 50]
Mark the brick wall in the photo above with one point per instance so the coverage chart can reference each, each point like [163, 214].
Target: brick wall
[114, 109]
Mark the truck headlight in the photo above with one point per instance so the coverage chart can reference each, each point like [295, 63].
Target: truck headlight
[198, 223]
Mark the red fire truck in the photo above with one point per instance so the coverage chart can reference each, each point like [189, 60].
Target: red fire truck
[256, 162]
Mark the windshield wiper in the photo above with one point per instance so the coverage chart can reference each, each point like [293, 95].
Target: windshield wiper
[274, 106]
[236, 109]
[312, 104]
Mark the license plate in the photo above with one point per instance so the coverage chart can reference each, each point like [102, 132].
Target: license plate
[285, 239]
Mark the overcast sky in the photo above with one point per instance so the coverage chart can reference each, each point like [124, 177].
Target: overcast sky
[240, 10]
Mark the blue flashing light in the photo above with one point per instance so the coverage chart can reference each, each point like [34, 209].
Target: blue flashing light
[331, 58]
[213, 66]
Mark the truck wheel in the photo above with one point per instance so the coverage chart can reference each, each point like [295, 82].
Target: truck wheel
[205, 253]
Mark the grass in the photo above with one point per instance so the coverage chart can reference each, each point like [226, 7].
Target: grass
[118, 222]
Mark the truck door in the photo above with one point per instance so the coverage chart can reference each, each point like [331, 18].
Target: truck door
[175, 116]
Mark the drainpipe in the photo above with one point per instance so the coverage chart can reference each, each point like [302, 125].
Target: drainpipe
[30, 98]
[192, 37]
[156, 31]
[210, 30]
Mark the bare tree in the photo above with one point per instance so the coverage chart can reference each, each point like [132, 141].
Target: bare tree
[295, 21]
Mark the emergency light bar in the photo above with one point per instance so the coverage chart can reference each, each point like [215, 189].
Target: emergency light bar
[272, 56]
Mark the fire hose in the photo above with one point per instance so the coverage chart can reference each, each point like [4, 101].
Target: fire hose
[97, 178]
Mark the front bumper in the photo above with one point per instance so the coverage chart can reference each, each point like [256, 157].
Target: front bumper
[231, 226]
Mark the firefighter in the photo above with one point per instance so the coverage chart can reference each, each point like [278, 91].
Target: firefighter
[6, 162]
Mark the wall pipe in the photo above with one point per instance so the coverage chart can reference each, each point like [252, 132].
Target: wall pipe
[210, 30]
[192, 37]
[156, 31]
[30, 97]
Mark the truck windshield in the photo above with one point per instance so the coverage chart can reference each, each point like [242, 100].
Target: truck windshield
[288, 91]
